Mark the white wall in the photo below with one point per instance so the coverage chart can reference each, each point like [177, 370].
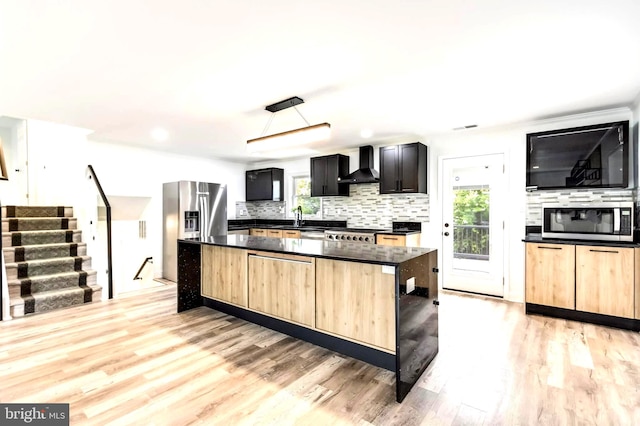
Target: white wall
[510, 141]
[13, 133]
[58, 159]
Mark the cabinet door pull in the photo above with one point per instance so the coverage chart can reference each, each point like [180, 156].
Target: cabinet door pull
[550, 248]
[389, 238]
[277, 259]
[603, 251]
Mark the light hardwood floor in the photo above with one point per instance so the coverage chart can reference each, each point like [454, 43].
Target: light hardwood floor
[135, 361]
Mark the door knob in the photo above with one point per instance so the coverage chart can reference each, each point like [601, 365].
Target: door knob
[446, 234]
[446, 225]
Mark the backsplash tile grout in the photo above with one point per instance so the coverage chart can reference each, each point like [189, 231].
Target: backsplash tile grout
[364, 208]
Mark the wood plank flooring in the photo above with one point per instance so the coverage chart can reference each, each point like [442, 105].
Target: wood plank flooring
[135, 361]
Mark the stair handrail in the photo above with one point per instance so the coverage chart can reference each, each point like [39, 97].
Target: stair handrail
[108, 211]
[144, 263]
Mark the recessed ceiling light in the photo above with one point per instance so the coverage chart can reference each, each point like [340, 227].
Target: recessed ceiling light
[159, 134]
[366, 133]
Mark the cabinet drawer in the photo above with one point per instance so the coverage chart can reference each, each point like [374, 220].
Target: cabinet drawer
[291, 234]
[276, 233]
[391, 240]
[258, 232]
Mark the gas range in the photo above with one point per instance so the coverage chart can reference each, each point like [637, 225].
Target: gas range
[358, 235]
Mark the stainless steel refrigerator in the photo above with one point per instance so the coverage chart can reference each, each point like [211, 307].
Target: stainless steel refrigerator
[190, 210]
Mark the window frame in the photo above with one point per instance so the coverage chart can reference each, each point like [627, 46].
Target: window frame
[291, 196]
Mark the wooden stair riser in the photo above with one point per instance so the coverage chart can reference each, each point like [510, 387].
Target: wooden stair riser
[28, 238]
[38, 224]
[46, 251]
[36, 211]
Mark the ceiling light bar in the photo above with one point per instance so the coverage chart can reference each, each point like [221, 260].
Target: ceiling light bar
[302, 136]
[290, 138]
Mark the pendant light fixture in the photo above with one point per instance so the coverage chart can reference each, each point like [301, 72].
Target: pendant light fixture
[290, 138]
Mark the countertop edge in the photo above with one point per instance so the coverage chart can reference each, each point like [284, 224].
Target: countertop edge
[424, 251]
[582, 242]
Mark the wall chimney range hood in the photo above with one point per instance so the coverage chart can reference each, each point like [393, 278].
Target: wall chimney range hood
[366, 172]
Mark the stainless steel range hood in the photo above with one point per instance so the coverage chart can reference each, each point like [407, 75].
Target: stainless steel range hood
[366, 173]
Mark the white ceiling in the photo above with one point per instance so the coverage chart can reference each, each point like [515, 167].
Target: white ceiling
[205, 70]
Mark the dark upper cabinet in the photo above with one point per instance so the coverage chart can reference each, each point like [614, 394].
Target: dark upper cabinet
[403, 168]
[325, 172]
[265, 184]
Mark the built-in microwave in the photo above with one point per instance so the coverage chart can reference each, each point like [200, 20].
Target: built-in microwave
[611, 221]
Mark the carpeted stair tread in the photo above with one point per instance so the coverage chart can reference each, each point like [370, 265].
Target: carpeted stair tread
[38, 223]
[56, 265]
[46, 261]
[56, 299]
[36, 211]
[28, 238]
[43, 251]
[21, 287]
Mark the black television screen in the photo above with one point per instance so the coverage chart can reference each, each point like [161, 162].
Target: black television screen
[581, 157]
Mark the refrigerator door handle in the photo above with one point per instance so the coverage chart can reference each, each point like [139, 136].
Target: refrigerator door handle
[204, 216]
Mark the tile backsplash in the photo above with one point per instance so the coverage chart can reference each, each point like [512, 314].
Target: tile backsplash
[535, 199]
[364, 208]
[367, 208]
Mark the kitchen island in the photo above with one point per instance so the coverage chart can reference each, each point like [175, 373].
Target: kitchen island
[374, 303]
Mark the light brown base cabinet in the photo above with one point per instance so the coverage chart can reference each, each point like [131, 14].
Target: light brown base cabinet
[283, 285]
[364, 312]
[603, 280]
[550, 275]
[411, 240]
[224, 274]
[275, 233]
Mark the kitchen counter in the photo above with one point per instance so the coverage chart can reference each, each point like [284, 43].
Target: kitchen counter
[538, 239]
[374, 303]
[398, 232]
[356, 252]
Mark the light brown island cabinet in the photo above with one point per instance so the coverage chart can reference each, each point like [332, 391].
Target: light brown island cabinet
[282, 285]
[224, 274]
[258, 232]
[550, 275]
[411, 240]
[377, 305]
[363, 310]
[605, 280]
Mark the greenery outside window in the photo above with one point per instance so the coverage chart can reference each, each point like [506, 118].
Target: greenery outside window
[471, 223]
[301, 196]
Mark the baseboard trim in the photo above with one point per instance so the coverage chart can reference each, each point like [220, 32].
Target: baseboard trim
[570, 314]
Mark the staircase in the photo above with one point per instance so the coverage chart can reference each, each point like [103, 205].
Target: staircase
[46, 260]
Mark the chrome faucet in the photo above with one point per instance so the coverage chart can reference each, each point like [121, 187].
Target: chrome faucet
[298, 217]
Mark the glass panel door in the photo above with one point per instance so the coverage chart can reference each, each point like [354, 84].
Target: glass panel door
[472, 229]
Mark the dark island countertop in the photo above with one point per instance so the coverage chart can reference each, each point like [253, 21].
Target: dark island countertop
[336, 250]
